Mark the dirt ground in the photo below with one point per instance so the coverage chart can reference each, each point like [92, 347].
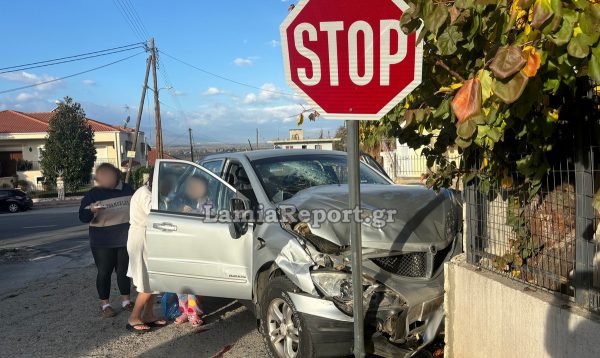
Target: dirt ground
[61, 318]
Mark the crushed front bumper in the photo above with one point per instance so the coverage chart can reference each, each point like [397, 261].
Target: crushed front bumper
[389, 331]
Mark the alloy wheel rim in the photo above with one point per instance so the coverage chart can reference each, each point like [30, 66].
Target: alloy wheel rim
[13, 208]
[283, 333]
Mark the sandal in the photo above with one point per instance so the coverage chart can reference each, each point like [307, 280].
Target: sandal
[128, 307]
[139, 328]
[196, 321]
[157, 323]
[181, 319]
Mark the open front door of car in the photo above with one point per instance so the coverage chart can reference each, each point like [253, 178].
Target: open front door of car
[189, 249]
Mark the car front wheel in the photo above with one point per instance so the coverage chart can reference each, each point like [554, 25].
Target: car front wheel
[13, 207]
[283, 328]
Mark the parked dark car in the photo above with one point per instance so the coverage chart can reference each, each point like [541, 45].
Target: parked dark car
[14, 200]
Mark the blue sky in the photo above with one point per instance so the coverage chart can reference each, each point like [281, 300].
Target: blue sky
[233, 38]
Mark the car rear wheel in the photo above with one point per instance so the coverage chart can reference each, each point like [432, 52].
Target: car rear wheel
[283, 328]
[13, 207]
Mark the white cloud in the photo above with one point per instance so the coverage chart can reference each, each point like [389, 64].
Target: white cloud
[89, 83]
[212, 91]
[243, 62]
[27, 96]
[273, 43]
[268, 92]
[178, 93]
[30, 78]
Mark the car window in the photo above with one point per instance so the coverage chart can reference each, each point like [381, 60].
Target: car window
[3, 193]
[282, 177]
[237, 177]
[214, 166]
[185, 189]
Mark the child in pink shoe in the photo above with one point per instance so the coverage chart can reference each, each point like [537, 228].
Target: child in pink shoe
[190, 310]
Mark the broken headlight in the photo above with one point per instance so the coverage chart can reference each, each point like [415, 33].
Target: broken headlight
[336, 285]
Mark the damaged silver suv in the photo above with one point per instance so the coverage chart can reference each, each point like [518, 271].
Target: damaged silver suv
[271, 227]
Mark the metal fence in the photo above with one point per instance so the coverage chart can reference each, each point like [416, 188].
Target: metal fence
[551, 239]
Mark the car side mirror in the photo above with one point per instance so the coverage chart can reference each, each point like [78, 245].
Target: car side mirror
[239, 210]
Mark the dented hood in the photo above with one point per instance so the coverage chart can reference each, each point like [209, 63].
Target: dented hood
[423, 217]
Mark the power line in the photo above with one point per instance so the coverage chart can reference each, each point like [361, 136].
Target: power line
[227, 79]
[67, 61]
[74, 56]
[129, 21]
[69, 76]
[137, 18]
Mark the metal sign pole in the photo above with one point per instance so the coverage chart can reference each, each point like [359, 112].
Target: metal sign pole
[355, 236]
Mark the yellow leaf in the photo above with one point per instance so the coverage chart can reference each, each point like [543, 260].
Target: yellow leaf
[300, 119]
[484, 163]
[553, 115]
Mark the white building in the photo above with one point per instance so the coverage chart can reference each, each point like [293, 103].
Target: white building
[297, 141]
[23, 136]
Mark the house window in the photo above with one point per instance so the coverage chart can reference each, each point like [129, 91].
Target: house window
[318, 146]
[304, 146]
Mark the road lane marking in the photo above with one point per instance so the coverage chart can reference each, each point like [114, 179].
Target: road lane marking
[38, 227]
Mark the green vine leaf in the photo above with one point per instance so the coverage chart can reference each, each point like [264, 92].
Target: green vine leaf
[509, 91]
[466, 129]
[563, 36]
[542, 11]
[447, 43]
[594, 64]
[436, 18]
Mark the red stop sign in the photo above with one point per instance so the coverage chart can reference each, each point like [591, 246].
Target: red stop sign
[349, 57]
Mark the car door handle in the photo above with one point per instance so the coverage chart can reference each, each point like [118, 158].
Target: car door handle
[165, 227]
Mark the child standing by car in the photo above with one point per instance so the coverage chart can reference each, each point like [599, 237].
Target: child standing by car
[196, 201]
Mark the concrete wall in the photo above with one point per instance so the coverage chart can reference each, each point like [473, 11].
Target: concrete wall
[491, 316]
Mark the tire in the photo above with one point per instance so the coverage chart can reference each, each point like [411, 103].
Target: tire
[13, 207]
[295, 341]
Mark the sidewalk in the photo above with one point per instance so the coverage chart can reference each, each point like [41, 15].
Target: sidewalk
[61, 318]
[55, 203]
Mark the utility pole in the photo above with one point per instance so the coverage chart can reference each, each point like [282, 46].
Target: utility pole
[191, 144]
[257, 138]
[159, 141]
[139, 116]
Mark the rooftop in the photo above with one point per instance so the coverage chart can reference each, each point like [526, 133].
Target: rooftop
[12, 121]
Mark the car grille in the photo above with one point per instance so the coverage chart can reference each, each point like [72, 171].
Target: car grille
[412, 264]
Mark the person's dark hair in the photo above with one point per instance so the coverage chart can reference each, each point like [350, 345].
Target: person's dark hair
[150, 179]
[111, 168]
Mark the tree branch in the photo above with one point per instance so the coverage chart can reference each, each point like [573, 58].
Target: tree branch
[454, 74]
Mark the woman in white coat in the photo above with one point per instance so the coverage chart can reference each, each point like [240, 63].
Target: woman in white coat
[142, 318]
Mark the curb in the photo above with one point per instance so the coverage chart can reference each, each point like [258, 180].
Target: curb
[56, 204]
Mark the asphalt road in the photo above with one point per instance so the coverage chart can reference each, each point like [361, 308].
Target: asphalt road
[40, 244]
[48, 298]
